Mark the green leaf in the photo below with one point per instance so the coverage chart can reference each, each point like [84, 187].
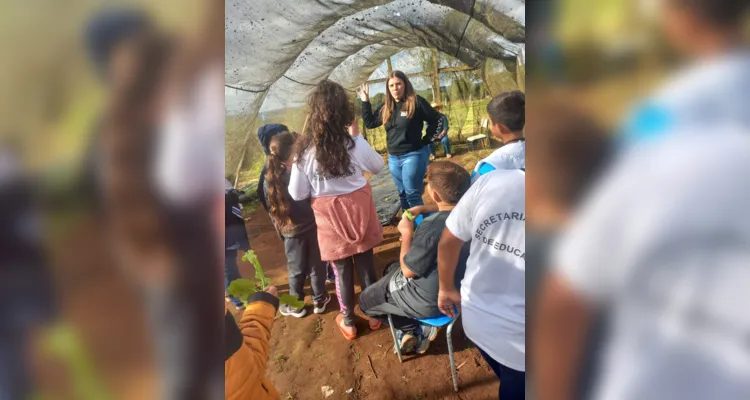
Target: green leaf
[291, 300]
[242, 289]
[409, 215]
[64, 343]
[260, 277]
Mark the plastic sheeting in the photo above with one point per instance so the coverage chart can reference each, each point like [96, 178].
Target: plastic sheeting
[279, 49]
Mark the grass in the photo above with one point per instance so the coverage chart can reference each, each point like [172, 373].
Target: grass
[281, 360]
[470, 159]
[318, 327]
[354, 352]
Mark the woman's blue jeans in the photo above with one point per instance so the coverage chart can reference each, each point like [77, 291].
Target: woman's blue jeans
[408, 171]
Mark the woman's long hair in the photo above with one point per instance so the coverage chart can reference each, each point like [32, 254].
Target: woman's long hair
[331, 113]
[282, 147]
[410, 98]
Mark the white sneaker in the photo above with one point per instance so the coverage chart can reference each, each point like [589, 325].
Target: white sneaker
[320, 306]
[287, 310]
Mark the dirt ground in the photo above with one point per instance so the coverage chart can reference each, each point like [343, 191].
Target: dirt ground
[309, 353]
[306, 353]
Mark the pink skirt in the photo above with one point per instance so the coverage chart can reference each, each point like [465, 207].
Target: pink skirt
[347, 224]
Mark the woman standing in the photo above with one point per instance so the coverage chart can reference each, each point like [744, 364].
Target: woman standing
[404, 114]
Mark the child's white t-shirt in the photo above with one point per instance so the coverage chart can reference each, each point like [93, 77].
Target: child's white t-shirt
[493, 293]
[307, 182]
[664, 241]
[510, 156]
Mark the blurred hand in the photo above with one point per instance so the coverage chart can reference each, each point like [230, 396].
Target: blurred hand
[273, 291]
[442, 135]
[447, 299]
[406, 226]
[416, 211]
[364, 92]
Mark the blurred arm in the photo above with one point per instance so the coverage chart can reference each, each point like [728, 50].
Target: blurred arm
[558, 340]
[247, 344]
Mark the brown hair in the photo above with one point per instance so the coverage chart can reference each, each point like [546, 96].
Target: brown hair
[509, 109]
[331, 113]
[570, 149]
[282, 147]
[410, 98]
[449, 180]
[720, 13]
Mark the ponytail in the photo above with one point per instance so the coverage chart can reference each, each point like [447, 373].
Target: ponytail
[281, 147]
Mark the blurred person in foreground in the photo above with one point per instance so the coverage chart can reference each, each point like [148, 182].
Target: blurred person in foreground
[571, 149]
[713, 86]
[491, 215]
[507, 119]
[162, 172]
[663, 241]
[108, 39]
[26, 291]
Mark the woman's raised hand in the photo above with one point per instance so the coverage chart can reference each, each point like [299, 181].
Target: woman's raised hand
[364, 92]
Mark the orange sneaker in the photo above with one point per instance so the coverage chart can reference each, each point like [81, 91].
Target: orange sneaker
[349, 332]
[375, 324]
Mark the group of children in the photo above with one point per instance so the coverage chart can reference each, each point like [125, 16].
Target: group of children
[322, 206]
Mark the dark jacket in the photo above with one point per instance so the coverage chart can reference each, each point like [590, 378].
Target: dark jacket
[235, 234]
[404, 135]
[265, 133]
[300, 213]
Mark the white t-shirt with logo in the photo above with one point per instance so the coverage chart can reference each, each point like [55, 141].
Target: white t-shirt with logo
[510, 156]
[493, 294]
[306, 181]
[665, 242]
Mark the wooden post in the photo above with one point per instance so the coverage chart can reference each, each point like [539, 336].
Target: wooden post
[436, 78]
[390, 67]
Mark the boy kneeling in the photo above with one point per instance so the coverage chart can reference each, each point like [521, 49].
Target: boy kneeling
[409, 289]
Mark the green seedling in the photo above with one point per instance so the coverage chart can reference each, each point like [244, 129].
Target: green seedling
[243, 289]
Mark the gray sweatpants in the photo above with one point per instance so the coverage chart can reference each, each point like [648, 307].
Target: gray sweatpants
[364, 263]
[303, 259]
